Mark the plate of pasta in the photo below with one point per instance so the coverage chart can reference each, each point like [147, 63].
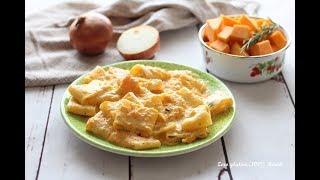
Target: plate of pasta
[148, 108]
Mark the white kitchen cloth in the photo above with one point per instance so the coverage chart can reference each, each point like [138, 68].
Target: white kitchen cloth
[50, 59]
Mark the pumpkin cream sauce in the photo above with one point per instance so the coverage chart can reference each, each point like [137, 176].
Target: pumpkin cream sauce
[146, 107]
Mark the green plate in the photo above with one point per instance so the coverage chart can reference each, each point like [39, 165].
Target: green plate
[221, 123]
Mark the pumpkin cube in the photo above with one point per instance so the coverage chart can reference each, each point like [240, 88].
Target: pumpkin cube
[209, 34]
[236, 50]
[259, 21]
[274, 48]
[245, 20]
[267, 22]
[220, 46]
[204, 35]
[214, 26]
[240, 33]
[278, 39]
[237, 18]
[225, 33]
[227, 21]
[261, 48]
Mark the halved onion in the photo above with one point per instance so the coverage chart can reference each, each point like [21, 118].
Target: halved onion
[141, 42]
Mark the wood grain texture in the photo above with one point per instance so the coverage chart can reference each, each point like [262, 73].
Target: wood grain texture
[182, 47]
[284, 14]
[263, 132]
[201, 164]
[36, 114]
[67, 157]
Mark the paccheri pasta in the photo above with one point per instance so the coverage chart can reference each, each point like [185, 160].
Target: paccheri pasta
[146, 107]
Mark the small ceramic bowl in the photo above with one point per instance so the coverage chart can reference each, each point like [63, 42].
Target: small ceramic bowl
[243, 69]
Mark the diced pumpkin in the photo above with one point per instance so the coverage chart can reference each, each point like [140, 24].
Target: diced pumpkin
[240, 32]
[268, 22]
[225, 33]
[261, 48]
[236, 50]
[259, 21]
[278, 39]
[264, 24]
[220, 46]
[245, 20]
[237, 18]
[227, 21]
[251, 33]
[232, 41]
[209, 34]
[274, 48]
[229, 34]
[204, 35]
[215, 25]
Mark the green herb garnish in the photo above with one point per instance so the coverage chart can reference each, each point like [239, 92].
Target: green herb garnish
[257, 36]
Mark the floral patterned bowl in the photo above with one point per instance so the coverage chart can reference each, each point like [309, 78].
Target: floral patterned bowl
[243, 69]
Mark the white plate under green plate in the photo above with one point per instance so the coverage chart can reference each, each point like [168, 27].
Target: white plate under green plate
[221, 123]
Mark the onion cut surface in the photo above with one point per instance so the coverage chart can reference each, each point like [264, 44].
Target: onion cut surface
[140, 42]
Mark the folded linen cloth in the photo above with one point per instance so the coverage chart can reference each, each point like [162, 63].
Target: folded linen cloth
[50, 59]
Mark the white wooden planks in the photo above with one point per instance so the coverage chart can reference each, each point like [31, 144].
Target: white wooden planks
[36, 114]
[263, 132]
[67, 157]
[182, 47]
[283, 12]
[201, 164]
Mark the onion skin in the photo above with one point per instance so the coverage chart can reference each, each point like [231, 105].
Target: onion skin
[90, 33]
[148, 54]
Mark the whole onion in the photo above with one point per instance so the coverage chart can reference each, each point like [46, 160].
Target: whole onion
[90, 33]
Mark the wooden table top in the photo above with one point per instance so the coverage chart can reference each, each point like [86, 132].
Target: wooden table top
[259, 145]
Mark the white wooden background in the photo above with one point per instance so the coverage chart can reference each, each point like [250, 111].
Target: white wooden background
[263, 133]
